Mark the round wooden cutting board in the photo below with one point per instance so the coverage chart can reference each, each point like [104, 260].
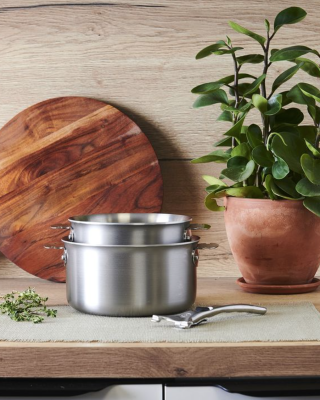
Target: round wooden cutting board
[63, 157]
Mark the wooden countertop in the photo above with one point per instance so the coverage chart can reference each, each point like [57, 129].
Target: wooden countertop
[161, 360]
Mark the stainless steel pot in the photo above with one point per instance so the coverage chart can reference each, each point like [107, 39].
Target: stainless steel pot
[130, 229]
[137, 280]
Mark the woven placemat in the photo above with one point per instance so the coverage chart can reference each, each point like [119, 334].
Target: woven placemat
[283, 322]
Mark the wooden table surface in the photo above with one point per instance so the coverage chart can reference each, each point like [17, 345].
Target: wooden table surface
[161, 360]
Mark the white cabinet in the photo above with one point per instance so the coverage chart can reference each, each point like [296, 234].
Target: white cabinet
[127, 392]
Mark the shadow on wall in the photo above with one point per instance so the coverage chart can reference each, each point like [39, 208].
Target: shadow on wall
[180, 177]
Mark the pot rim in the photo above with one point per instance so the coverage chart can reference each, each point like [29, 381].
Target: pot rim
[194, 240]
[269, 201]
[184, 219]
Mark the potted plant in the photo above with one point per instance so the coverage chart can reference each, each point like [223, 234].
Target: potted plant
[271, 181]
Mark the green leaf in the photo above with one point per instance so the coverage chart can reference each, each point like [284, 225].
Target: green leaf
[243, 107]
[237, 161]
[266, 171]
[254, 135]
[230, 78]
[225, 142]
[241, 29]
[210, 87]
[274, 104]
[235, 131]
[255, 85]
[260, 102]
[307, 188]
[290, 15]
[239, 169]
[211, 203]
[267, 25]
[206, 88]
[250, 59]
[278, 192]
[251, 192]
[219, 96]
[243, 150]
[309, 66]
[310, 91]
[219, 191]
[314, 112]
[214, 188]
[218, 156]
[221, 52]
[262, 156]
[288, 116]
[285, 188]
[268, 183]
[307, 132]
[207, 51]
[285, 99]
[313, 204]
[291, 152]
[213, 181]
[311, 167]
[271, 135]
[285, 76]
[280, 168]
[297, 96]
[313, 150]
[225, 116]
[290, 53]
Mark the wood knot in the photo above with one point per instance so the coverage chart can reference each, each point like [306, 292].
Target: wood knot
[180, 371]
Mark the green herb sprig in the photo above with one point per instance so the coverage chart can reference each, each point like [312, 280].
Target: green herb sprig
[26, 306]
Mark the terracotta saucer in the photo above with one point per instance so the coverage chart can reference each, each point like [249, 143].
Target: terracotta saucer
[278, 289]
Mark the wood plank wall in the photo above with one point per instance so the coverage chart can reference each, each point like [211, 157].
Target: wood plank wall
[139, 56]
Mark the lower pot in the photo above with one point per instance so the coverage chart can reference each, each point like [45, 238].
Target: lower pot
[274, 242]
[137, 280]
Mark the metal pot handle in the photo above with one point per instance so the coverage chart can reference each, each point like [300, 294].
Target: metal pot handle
[199, 227]
[202, 246]
[65, 227]
[201, 313]
[192, 318]
[60, 227]
[194, 227]
[57, 247]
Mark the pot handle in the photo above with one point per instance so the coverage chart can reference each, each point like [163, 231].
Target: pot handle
[199, 227]
[194, 227]
[201, 313]
[64, 227]
[53, 247]
[202, 246]
[60, 227]
[57, 247]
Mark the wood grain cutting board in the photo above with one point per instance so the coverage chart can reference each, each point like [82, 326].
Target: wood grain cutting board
[63, 157]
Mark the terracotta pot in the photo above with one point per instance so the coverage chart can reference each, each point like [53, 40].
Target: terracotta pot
[273, 242]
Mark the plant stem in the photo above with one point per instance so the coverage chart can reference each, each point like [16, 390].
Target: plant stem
[236, 78]
[236, 90]
[317, 138]
[265, 119]
[258, 179]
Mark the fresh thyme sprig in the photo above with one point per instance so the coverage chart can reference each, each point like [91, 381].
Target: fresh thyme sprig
[26, 306]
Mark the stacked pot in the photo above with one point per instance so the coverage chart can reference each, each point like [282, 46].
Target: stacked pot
[131, 264]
